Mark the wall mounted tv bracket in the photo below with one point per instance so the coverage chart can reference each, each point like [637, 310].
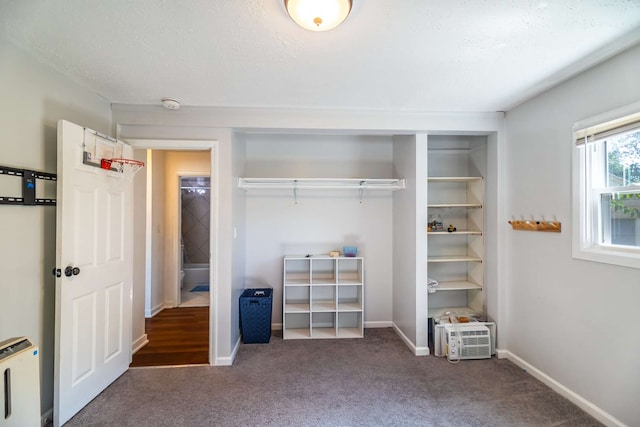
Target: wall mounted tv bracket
[29, 178]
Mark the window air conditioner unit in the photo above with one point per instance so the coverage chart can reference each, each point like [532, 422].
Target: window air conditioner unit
[468, 342]
[439, 338]
[19, 383]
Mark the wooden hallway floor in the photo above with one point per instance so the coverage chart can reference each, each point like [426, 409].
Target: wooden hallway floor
[177, 336]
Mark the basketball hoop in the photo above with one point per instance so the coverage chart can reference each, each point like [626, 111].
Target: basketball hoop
[127, 168]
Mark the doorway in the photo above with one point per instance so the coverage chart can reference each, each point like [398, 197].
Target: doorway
[160, 298]
[195, 220]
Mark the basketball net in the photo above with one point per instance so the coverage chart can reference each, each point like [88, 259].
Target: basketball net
[126, 168]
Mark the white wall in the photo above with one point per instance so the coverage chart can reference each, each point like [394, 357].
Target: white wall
[155, 291]
[494, 235]
[321, 221]
[227, 307]
[138, 335]
[35, 97]
[239, 233]
[409, 242]
[573, 320]
[150, 230]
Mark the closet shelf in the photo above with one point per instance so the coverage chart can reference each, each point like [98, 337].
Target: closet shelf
[457, 232]
[437, 312]
[322, 183]
[454, 178]
[457, 285]
[454, 258]
[456, 205]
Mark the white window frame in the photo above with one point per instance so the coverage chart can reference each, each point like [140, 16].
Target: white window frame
[586, 230]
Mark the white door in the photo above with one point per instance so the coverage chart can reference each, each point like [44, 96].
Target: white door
[93, 303]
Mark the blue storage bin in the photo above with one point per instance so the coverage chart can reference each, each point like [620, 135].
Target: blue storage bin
[350, 251]
[255, 315]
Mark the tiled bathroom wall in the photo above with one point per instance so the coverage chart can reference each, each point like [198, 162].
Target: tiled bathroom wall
[196, 204]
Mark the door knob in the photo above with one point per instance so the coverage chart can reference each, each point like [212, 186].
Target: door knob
[71, 271]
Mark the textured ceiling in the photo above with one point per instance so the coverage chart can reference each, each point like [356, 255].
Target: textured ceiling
[423, 55]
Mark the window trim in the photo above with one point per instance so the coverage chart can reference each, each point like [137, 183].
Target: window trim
[584, 239]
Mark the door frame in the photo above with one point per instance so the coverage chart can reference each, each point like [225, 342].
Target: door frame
[213, 147]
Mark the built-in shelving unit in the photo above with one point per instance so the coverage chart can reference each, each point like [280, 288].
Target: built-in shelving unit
[455, 258]
[323, 297]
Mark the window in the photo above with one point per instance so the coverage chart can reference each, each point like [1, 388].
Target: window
[607, 188]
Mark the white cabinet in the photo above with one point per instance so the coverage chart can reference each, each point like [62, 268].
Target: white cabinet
[456, 258]
[323, 297]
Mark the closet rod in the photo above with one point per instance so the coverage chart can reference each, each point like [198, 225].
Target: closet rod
[322, 183]
[450, 149]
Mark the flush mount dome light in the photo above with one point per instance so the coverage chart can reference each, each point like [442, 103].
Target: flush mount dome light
[318, 15]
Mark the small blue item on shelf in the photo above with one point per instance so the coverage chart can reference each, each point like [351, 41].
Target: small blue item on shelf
[350, 251]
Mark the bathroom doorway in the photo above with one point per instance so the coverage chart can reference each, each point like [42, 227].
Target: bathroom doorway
[170, 334]
[195, 215]
[157, 271]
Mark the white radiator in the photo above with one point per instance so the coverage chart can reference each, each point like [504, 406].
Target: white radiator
[20, 388]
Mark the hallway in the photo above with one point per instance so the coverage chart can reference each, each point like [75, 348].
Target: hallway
[177, 336]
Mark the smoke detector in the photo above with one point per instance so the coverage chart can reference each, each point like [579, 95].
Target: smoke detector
[170, 103]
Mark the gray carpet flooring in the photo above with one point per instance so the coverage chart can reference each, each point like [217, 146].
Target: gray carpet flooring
[374, 381]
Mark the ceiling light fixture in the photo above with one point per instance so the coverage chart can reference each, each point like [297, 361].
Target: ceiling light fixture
[170, 103]
[318, 15]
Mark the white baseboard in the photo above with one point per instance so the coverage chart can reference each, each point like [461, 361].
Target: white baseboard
[155, 310]
[418, 351]
[378, 324]
[139, 343]
[421, 351]
[228, 361]
[46, 417]
[591, 409]
[276, 326]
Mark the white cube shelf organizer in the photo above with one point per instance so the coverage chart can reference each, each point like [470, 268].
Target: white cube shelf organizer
[323, 297]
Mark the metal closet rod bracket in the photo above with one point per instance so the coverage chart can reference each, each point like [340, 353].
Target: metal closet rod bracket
[29, 178]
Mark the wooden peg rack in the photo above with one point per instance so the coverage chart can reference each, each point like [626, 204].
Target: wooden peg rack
[535, 225]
